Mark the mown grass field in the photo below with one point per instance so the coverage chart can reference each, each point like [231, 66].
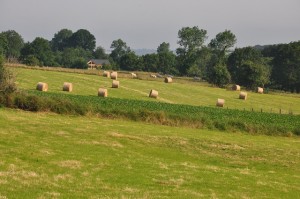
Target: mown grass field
[192, 93]
[45, 155]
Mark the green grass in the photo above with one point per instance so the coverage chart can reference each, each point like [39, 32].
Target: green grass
[178, 92]
[44, 155]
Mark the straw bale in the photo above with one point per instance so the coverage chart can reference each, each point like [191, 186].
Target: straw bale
[41, 86]
[220, 102]
[106, 74]
[67, 87]
[133, 75]
[115, 84]
[168, 80]
[236, 87]
[114, 75]
[153, 76]
[243, 95]
[102, 92]
[260, 90]
[153, 93]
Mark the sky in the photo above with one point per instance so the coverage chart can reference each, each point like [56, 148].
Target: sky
[148, 23]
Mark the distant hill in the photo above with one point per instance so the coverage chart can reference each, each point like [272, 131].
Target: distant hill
[261, 47]
[144, 51]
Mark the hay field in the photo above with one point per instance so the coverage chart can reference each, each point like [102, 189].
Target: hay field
[44, 155]
[179, 93]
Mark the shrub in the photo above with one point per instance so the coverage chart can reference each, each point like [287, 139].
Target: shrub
[7, 80]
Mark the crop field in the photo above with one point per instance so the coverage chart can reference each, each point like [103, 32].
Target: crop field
[45, 155]
[181, 92]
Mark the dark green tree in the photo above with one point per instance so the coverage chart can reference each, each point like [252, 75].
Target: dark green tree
[15, 43]
[166, 59]
[150, 62]
[83, 39]
[40, 49]
[60, 40]
[191, 40]
[219, 75]
[73, 57]
[222, 43]
[285, 65]
[131, 62]
[3, 44]
[248, 67]
[120, 49]
[99, 53]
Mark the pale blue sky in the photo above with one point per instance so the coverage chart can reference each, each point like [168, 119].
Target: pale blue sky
[147, 23]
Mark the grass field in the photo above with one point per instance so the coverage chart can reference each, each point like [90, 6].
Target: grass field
[45, 155]
[190, 93]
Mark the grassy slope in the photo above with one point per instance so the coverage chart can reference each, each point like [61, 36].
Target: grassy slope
[181, 93]
[53, 156]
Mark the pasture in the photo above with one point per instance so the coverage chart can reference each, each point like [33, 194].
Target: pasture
[178, 92]
[45, 155]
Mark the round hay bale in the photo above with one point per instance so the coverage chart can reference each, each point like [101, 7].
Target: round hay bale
[168, 80]
[153, 93]
[114, 75]
[133, 75]
[67, 87]
[260, 90]
[106, 74]
[115, 84]
[102, 92]
[243, 95]
[236, 87]
[220, 102]
[41, 86]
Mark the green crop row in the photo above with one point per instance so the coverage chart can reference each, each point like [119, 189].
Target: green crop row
[163, 113]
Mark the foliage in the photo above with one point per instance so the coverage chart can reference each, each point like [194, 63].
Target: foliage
[223, 42]
[219, 75]
[82, 38]
[13, 43]
[285, 65]
[248, 67]
[191, 40]
[40, 49]
[130, 61]
[60, 41]
[120, 49]
[166, 59]
[7, 80]
[75, 57]
[150, 62]
[99, 53]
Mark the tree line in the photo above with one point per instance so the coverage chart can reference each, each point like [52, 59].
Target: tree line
[273, 66]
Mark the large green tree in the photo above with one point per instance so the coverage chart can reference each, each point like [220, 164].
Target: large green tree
[130, 61]
[285, 65]
[60, 41]
[119, 49]
[223, 42]
[15, 43]
[166, 59]
[150, 62]
[75, 57]
[191, 40]
[40, 49]
[99, 53]
[83, 39]
[248, 67]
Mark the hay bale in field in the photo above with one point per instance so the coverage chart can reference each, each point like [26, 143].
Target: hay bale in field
[67, 87]
[220, 102]
[114, 75]
[133, 75]
[106, 74]
[115, 84]
[153, 76]
[41, 86]
[168, 80]
[102, 92]
[243, 95]
[260, 90]
[153, 93]
[236, 87]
